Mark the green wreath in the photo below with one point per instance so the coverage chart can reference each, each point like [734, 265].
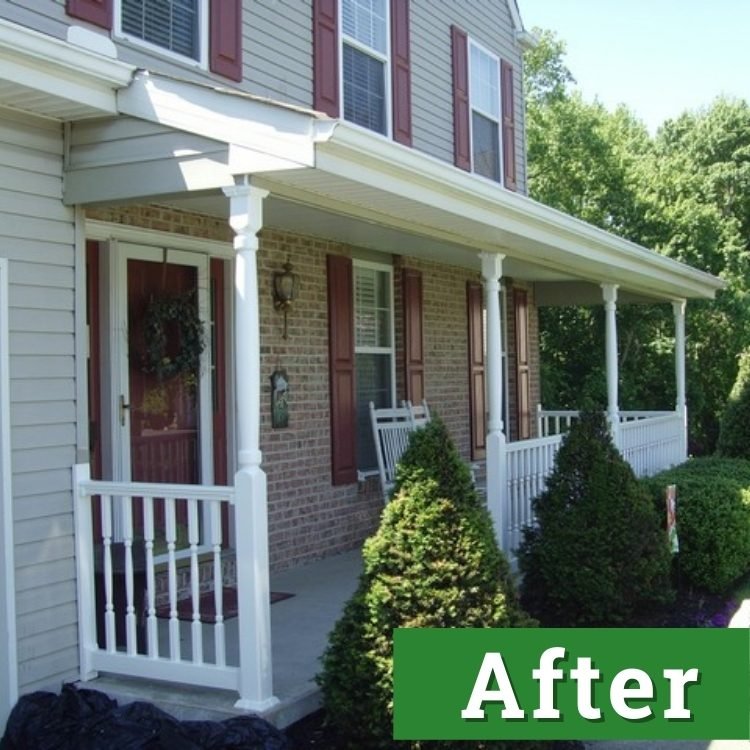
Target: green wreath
[183, 312]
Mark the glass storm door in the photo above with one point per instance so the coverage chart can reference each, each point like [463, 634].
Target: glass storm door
[164, 405]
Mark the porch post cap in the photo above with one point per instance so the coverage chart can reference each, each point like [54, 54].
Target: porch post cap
[492, 265]
[609, 292]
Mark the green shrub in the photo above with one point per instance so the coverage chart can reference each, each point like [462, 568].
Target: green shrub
[713, 519]
[433, 562]
[597, 554]
[734, 429]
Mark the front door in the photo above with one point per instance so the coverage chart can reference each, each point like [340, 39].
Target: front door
[163, 420]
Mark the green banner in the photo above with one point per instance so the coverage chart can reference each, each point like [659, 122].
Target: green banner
[525, 683]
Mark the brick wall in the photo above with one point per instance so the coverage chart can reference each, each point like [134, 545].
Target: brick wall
[308, 517]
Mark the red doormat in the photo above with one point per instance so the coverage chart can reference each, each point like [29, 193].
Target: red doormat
[206, 604]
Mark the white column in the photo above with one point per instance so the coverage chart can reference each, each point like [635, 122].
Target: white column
[678, 306]
[609, 292]
[251, 504]
[492, 271]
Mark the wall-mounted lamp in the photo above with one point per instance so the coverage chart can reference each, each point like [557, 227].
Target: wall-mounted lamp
[285, 285]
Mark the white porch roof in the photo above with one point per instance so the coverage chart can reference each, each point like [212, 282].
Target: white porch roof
[181, 143]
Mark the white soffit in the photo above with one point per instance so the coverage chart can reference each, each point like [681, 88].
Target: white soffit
[53, 78]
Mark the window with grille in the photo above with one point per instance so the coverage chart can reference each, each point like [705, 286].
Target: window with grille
[173, 25]
[365, 56]
[374, 354]
[484, 97]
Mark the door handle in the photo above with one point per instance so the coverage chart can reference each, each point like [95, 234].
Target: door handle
[123, 409]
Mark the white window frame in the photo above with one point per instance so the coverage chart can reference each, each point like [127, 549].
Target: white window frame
[203, 20]
[391, 350]
[495, 118]
[385, 59]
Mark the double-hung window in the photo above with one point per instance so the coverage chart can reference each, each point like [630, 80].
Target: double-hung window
[176, 26]
[373, 350]
[365, 51]
[484, 101]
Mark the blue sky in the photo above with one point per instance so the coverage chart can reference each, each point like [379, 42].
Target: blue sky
[659, 57]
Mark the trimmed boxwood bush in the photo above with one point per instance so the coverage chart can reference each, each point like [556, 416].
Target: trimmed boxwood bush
[734, 429]
[713, 519]
[433, 562]
[597, 554]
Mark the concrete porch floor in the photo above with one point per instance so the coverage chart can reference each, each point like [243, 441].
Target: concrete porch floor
[299, 632]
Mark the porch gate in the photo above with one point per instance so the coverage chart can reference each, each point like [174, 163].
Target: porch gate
[166, 529]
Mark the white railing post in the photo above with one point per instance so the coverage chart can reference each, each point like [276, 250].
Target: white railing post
[678, 306]
[497, 485]
[87, 641]
[609, 292]
[251, 513]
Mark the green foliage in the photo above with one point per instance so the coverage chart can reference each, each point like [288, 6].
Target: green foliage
[734, 434]
[685, 193]
[597, 554]
[713, 519]
[433, 562]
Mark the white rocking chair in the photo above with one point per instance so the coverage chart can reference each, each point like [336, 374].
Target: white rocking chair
[391, 429]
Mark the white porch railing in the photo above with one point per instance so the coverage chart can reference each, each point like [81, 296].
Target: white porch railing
[123, 628]
[649, 441]
[528, 464]
[653, 444]
[556, 421]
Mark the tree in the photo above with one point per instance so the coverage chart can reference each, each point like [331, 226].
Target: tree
[683, 193]
[597, 553]
[433, 562]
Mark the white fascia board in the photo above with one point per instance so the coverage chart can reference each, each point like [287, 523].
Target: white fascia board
[273, 130]
[357, 155]
[52, 66]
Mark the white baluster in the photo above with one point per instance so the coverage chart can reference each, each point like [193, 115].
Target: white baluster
[193, 540]
[216, 538]
[152, 627]
[130, 616]
[109, 608]
[171, 538]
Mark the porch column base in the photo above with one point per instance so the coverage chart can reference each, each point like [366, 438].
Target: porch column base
[254, 591]
[497, 486]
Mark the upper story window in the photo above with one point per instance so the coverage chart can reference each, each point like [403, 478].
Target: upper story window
[484, 116]
[484, 97]
[177, 26]
[362, 64]
[365, 63]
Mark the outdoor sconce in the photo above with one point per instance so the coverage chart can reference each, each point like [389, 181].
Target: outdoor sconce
[284, 290]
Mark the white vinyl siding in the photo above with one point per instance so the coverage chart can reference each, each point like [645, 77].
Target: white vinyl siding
[37, 237]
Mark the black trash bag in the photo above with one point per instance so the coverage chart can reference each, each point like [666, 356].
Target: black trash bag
[81, 719]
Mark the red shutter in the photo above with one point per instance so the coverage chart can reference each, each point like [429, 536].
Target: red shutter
[326, 57]
[413, 340]
[477, 398]
[509, 124]
[523, 382]
[225, 54]
[461, 140]
[98, 12]
[341, 354]
[401, 71]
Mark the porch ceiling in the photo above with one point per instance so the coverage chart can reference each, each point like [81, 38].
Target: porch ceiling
[338, 181]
